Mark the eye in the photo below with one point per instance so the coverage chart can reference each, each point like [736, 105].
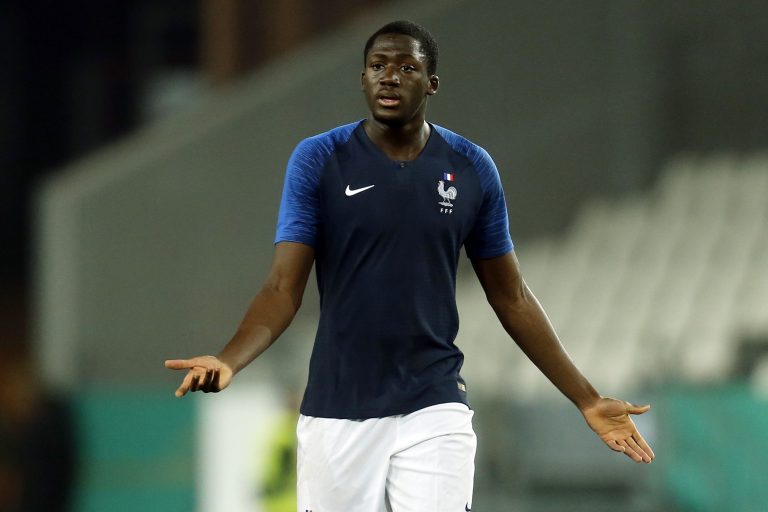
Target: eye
[407, 68]
[377, 66]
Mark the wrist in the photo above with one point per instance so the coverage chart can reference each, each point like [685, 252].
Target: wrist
[588, 401]
[245, 346]
[228, 362]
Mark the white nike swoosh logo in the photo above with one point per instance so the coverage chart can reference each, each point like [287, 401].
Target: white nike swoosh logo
[351, 192]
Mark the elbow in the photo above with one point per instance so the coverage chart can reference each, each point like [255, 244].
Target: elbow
[283, 293]
[514, 301]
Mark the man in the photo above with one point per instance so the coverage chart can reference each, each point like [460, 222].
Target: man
[383, 207]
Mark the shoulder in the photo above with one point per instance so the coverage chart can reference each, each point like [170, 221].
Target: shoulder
[478, 156]
[479, 159]
[320, 146]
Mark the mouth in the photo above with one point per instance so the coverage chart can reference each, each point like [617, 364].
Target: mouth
[388, 100]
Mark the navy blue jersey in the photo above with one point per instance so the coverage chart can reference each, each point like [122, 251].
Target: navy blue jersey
[387, 237]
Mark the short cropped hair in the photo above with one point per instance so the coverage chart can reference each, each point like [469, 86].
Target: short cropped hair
[426, 41]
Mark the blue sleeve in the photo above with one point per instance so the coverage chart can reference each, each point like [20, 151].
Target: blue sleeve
[299, 215]
[298, 218]
[489, 237]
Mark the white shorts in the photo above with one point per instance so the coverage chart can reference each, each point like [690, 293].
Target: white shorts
[418, 462]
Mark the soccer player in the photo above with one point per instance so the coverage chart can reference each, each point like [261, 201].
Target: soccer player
[382, 207]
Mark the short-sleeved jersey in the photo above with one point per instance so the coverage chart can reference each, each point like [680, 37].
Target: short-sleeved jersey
[387, 237]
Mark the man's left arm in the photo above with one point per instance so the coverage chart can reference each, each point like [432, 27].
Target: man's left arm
[524, 319]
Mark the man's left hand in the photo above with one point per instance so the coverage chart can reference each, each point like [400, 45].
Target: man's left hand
[610, 420]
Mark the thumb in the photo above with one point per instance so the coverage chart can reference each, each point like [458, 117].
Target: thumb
[637, 409]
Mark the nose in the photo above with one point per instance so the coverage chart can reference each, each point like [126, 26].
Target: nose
[390, 76]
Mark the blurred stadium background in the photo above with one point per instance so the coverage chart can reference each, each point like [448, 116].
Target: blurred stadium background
[143, 148]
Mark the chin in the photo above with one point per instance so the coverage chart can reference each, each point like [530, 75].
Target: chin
[389, 118]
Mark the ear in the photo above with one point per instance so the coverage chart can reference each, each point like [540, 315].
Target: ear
[362, 81]
[434, 84]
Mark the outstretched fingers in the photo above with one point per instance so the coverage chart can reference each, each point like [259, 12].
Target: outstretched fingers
[205, 381]
[636, 440]
[625, 448]
[610, 419]
[211, 383]
[204, 373]
[202, 379]
[189, 383]
[644, 446]
[182, 364]
[633, 447]
[629, 451]
[644, 455]
[613, 445]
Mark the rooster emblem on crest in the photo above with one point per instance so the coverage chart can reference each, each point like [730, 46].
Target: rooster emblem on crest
[447, 195]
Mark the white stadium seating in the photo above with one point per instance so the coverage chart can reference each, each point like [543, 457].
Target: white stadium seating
[646, 288]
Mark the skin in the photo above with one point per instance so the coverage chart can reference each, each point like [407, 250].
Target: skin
[396, 87]
[396, 68]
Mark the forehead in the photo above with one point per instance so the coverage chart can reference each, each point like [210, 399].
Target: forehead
[397, 44]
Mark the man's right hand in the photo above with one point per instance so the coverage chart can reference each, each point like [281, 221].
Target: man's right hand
[206, 373]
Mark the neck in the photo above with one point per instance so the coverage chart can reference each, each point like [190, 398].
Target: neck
[398, 142]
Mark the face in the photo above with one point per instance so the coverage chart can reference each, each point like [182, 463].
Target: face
[395, 80]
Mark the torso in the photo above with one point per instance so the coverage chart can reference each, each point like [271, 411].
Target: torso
[387, 245]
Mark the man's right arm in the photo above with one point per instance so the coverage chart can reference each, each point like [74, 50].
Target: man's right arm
[269, 314]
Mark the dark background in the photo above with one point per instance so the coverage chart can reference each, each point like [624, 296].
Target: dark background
[77, 75]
